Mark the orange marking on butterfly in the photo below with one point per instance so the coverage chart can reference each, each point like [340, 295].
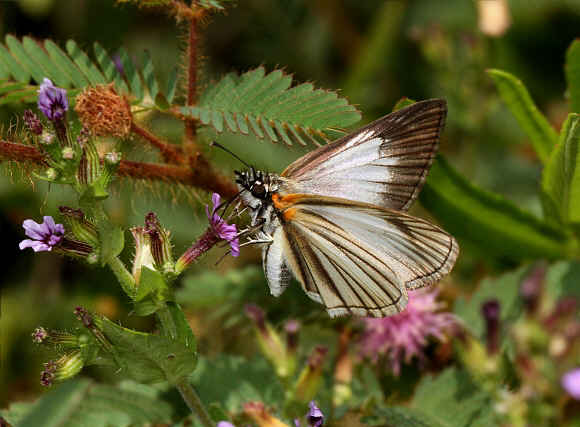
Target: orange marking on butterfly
[284, 203]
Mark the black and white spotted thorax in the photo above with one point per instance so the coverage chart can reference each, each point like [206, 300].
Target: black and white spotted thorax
[256, 190]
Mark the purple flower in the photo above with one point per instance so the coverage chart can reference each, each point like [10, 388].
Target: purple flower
[315, 416]
[45, 235]
[52, 101]
[221, 228]
[571, 383]
[400, 338]
[225, 424]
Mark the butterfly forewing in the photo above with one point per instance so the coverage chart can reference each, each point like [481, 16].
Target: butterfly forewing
[384, 163]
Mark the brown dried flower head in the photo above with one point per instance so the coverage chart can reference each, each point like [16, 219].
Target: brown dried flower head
[104, 111]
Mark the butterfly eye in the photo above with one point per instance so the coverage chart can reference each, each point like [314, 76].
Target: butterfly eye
[258, 190]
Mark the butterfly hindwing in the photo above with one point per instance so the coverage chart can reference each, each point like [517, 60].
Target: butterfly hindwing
[360, 259]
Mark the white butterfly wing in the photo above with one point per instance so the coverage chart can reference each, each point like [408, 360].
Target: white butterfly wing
[356, 258]
[384, 163]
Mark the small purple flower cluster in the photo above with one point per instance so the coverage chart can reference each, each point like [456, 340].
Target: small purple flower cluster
[45, 235]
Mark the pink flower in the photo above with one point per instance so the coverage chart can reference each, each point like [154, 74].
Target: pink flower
[401, 338]
[224, 230]
[571, 383]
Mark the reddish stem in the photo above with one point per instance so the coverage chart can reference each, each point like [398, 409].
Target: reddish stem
[189, 147]
[170, 153]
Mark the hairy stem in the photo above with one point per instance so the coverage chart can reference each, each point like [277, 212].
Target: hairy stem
[170, 153]
[189, 142]
[193, 401]
[123, 276]
[202, 177]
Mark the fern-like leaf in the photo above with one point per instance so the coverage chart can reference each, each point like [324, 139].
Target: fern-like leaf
[83, 403]
[267, 105]
[28, 60]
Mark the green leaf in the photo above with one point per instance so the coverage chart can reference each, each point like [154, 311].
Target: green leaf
[562, 279]
[149, 75]
[23, 57]
[504, 289]
[561, 176]
[572, 70]
[50, 68]
[93, 193]
[513, 92]
[81, 59]
[184, 331]
[270, 106]
[448, 400]
[83, 403]
[72, 72]
[131, 73]
[234, 380]
[13, 67]
[171, 86]
[488, 219]
[403, 102]
[152, 293]
[108, 67]
[150, 358]
[112, 240]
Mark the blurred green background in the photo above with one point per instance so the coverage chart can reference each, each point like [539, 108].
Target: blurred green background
[373, 52]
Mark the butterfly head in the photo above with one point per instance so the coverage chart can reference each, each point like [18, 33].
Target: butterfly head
[257, 185]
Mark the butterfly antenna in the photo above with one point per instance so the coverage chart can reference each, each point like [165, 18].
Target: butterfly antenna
[218, 145]
[225, 204]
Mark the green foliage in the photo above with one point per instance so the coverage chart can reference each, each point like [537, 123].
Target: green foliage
[561, 177]
[268, 105]
[153, 292]
[150, 358]
[112, 240]
[448, 400]
[572, 70]
[22, 61]
[83, 403]
[233, 380]
[488, 219]
[517, 98]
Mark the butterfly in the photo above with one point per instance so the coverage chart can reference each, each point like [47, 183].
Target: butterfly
[336, 218]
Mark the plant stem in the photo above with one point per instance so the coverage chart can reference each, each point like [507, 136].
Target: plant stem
[189, 142]
[193, 401]
[123, 276]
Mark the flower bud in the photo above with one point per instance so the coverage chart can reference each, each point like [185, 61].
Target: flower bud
[143, 255]
[82, 229]
[32, 122]
[110, 166]
[89, 165]
[64, 368]
[491, 312]
[42, 336]
[160, 244]
[268, 340]
[310, 379]
[94, 325]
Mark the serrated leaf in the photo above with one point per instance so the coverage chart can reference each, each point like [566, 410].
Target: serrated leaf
[153, 292]
[487, 219]
[112, 240]
[513, 92]
[572, 70]
[184, 332]
[267, 104]
[561, 176]
[82, 403]
[150, 358]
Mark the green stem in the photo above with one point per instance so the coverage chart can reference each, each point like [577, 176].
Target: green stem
[123, 276]
[193, 401]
